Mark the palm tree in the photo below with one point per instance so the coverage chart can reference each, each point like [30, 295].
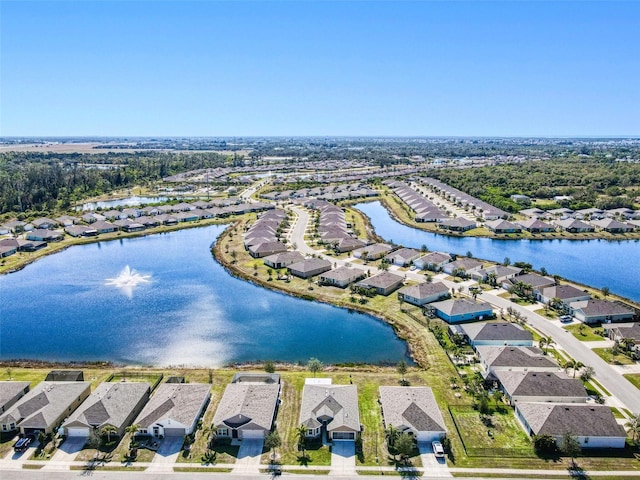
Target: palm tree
[390, 434]
[633, 424]
[545, 343]
[108, 430]
[573, 364]
[301, 436]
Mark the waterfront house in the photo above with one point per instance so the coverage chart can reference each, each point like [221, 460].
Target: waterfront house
[433, 261]
[309, 267]
[525, 386]
[112, 403]
[284, 259]
[43, 235]
[463, 265]
[537, 283]
[104, 227]
[503, 226]
[264, 249]
[373, 251]
[500, 273]
[457, 310]
[459, 224]
[600, 311]
[612, 226]
[383, 283]
[11, 392]
[174, 409]
[496, 334]
[424, 293]
[566, 294]
[572, 225]
[7, 250]
[403, 256]
[513, 358]
[80, 231]
[534, 225]
[332, 408]
[247, 409]
[45, 407]
[412, 410]
[342, 276]
[594, 426]
[347, 244]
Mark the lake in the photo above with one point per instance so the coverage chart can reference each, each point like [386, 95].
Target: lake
[598, 263]
[132, 201]
[175, 305]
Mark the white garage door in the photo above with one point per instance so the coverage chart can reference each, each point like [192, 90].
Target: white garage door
[252, 434]
[427, 436]
[343, 436]
[77, 432]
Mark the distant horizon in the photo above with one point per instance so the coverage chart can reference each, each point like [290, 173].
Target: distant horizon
[568, 137]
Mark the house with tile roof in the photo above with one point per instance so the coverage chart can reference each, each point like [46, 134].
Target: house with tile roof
[497, 334]
[330, 408]
[525, 386]
[424, 293]
[412, 410]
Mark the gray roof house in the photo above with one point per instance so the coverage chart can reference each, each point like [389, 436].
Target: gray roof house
[593, 425]
[521, 386]
[537, 282]
[459, 224]
[535, 225]
[432, 261]
[423, 293]
[384, 283]
[567, 294]
[111, 403]
[528, 359]
[174, 409]
[503, 226]
[501, 273]
[284, 259]
[469, 265]
[456, 310]
[342, 276]
[413, 409]
[330, 407]
[403, 256]
[604, 311]
[44, 407]
[246, 410]
[11, 392]
[373, 251]
[265, 249]
[497, 334]
[309, 267]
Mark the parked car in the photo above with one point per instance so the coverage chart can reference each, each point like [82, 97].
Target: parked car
[23, 443]
[566, 319]
[438, 450]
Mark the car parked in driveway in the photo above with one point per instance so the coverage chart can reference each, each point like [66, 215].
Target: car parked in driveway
[23, 443]
[566, 319]
[438, 449]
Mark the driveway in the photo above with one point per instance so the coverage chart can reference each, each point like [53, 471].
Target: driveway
[249, 456]
[343, 458]
[67, 451]
[433, 466]
[167, 454]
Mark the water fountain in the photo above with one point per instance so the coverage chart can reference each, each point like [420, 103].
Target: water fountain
[127, 280]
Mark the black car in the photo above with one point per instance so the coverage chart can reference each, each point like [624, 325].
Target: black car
[23, 443]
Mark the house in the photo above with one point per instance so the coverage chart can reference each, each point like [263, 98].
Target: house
[265, 249]
[537, 283]
[600, 311]
[527, 359]
[342, 276]
[15, 226]
[462, 309]
[534, 225]
[503, 226]
[413, 410]
[463, 265]
[383, 283]
[593, 425]
[45, 407]
[44, 223]
[348, 244]
[81, 231]
[42, 235]
[459, 224]
[104, 226]
[403, 256]
[565, 294]
[11, 392]
[6, 250]
[281, 260]
[330, 408]
[533, 212]
[433, 261]
[525, 386]
[174, 409]
[497, 333]
[22, 245]
[373, 251]
[572, 225]
[621, 331]
[424, 293]
[519, 198]
[309, 267]
[499, 273]
[247, 409]
[612, 226]
[111, 403]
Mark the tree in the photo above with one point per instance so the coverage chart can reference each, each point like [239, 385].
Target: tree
[390, 435]
[605, 291]
[314, 365]
[545, 343]
[573, 364]
[570, 447]
[269, 366]
[272, 441]
[402, 370]
[633, 425]
[544, 443]
[107, 431]
[506, 262]
[587, 373]
[301, 437]
[497, 397]
[404, 445]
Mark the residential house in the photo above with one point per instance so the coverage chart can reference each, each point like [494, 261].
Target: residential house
[45, 407]
[111, 403]
[526, 386]
[6, 250]
[499, 274]
[496, 334]
[621, 332]
[81, 231]
[503, 226]
[459, 224]
[264, 249]
[537, 283]
[383, 283]
[600, 311]
[44, 223]
[594, 426]
[572, 225]
[65, 376]
[309, 267]
[342, 276]
[565, 294]
[373, 251]
[11, 392]
[284, 259]
[174, 409]
[535, 225]
[457, 310]
[247, 409]
[104, 226]
[612, 226]
[412, 410]
[527, 359]
[330, 408]
[42, 235]
[403, 256]
[424, 293]
[433, 261]
[464, 265]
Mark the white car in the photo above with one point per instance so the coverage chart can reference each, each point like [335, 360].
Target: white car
[438, 450]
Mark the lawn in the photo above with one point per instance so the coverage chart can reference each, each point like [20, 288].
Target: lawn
[585, 333]
[607, 356]
[547, 313]
[633, 378]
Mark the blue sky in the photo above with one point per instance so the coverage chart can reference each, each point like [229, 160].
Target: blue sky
[319, 68]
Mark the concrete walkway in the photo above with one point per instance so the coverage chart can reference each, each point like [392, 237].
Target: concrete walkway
[248, 462]
[166, 455]
[343, 458]
[433, 466]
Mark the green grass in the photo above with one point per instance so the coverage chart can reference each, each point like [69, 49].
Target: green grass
[588, 332]
[547, 313]
[633, 378]
[202, 469]
[607, 356]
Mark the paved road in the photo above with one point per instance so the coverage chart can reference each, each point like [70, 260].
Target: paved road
[608, 376]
